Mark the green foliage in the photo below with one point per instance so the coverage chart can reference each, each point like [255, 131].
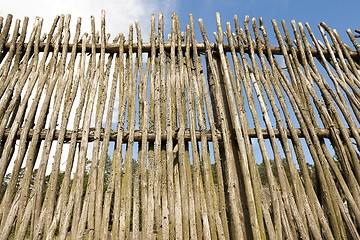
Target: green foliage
[213, 171]
[311, 170]
[4, 185]
[263, 175]
[285, 165]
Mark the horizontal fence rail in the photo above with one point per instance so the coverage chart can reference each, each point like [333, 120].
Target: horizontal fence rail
[151, 135]
[181, 138]
[146, 48]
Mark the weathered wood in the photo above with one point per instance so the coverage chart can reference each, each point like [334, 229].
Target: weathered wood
[18, 119]
[202, 167]
[310, 213]
[40, 177]
[75, 199]
[123, 98]
[56, 77]
[229, 163]
[201, 110]
[125, 201]
[62, 200]
[299, 209]
[146, 47]
[166, 227]
[48, 206]
[150, 136]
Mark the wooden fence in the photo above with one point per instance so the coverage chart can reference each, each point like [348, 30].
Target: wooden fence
[235, 139]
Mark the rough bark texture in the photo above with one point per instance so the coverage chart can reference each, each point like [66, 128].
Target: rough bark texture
[199, 140]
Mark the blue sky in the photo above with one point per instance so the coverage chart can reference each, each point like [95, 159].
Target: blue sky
[337, 14]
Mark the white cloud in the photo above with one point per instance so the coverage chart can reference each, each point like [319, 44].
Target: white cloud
[119, 13]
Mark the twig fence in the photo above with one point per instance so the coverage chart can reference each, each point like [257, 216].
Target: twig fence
[186, 127]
